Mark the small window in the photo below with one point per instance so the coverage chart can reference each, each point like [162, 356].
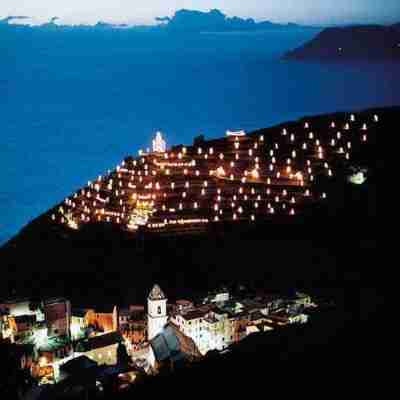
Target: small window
[159, 309]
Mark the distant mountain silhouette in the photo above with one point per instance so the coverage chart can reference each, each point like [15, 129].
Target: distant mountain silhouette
[182, 21]
[215, 20]
[10, 18]
[367, 42]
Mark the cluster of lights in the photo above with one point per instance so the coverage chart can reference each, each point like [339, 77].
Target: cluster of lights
[237, 161]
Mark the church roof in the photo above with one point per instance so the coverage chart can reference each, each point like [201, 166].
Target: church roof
[156, 293]
[171, 344]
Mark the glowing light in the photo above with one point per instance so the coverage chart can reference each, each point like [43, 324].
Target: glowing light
[220, 171]
[358, 178]
[42, 362]
[255, 174]
[235, 133]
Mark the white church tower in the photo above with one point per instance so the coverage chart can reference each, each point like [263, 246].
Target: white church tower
[159, 144]
[157, 316]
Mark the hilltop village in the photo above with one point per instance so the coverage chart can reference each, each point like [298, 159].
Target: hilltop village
[239, 178]
[54, 343]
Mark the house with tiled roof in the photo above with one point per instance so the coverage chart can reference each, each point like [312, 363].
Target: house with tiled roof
[171, 347]
[101, 348]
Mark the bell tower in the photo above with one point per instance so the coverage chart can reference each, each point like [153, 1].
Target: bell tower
[157, 316]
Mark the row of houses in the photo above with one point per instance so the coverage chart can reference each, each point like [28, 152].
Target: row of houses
[163, 333]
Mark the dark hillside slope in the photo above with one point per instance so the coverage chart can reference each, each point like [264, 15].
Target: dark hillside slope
[369, 43]
[332, 248]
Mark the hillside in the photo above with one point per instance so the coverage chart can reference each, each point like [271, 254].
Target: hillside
[369, 43]
[320, 248]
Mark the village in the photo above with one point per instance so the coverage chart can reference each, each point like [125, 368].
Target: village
[56, 343]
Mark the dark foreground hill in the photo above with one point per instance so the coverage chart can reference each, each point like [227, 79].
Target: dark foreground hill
[370, 42]
[324, 248]
[331, 252]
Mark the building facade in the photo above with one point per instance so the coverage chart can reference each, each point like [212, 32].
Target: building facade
[157, 316]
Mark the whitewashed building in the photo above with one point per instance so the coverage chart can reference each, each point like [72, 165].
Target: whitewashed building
[157, 316]
[210, 330]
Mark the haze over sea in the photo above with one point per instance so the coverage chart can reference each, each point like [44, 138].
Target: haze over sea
[74, 102]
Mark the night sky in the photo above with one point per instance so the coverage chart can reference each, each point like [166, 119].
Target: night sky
[326, 12]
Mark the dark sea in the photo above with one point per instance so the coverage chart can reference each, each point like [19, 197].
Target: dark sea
[74, 102]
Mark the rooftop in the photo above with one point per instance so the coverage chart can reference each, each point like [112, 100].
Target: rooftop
[156, 293]
[99, 341]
